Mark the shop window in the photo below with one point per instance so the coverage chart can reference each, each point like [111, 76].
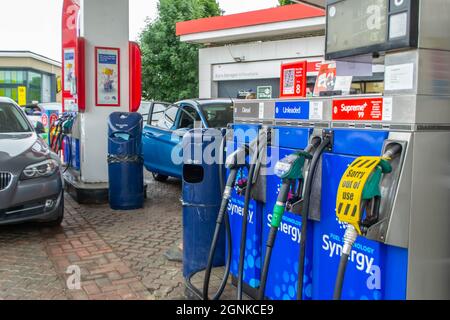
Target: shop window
[34, 87]
[12, 77]
[7, 76]
[35, 80]
[34, 95]
[7, 92]
[14, 95]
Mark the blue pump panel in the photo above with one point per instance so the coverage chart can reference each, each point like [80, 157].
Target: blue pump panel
[283, 272]
[245, 133]
[253, 263]
[76, 154]
[291, 137]
[359, 142]
[375, 271]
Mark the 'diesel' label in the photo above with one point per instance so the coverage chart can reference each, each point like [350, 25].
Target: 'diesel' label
[349, 196]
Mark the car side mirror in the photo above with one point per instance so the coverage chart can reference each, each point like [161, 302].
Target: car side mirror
[39, 128]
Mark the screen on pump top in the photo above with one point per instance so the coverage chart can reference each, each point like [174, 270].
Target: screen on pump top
[355, 24]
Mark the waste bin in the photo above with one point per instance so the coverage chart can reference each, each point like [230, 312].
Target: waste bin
[125, 163]
[201, 198]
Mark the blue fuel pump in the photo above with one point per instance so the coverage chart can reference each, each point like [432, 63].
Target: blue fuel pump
[245, 213]
[375, 271]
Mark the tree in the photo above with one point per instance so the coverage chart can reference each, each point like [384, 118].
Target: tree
[169, 66]
[285, 2]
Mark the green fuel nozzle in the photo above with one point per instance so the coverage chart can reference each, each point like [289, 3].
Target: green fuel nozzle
[289, 169]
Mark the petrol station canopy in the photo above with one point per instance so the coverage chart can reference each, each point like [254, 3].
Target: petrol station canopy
[275, 23]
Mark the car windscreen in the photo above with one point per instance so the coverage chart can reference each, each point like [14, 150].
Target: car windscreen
[12, 120]
[218, 115]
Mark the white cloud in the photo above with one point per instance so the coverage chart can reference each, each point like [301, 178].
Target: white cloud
[35, 25]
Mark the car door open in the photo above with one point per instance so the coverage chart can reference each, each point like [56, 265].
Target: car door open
[163, 135]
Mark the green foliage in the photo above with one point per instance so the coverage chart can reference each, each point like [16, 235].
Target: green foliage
[285, 2]
[170, 67]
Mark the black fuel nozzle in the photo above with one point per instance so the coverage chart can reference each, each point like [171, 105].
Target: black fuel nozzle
[393, 150]
[314, 144]
[237, 159]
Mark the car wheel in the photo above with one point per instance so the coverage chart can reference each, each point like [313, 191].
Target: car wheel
[159, 177]
[57, 222]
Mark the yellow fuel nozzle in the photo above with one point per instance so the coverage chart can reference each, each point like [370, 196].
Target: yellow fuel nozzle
[360, 185]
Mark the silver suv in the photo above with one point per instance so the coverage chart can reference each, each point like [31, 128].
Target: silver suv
[31, 185]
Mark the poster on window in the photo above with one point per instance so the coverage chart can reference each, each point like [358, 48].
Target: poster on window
[69, 68]
[107, 75]
[293, 80]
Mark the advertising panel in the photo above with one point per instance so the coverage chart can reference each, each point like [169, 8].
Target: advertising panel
[293, 80]
[107, 76]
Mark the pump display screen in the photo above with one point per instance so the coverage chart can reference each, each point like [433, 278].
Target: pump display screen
[355, 24]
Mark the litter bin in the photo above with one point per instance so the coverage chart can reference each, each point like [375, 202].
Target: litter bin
[125, 163]
[201, 198]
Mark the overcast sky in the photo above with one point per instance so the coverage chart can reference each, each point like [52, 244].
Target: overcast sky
[34, 25]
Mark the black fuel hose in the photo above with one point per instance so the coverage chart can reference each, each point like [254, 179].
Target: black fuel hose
[349, 239]
[307, 197]
[261, 144]
[248, 191]
[282, 199]
[220, 219]
[340, 277]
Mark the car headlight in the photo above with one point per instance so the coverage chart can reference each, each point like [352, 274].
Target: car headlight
[42, 169]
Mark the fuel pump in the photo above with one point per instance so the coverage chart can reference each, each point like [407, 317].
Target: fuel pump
[234, 162]
[59, 132]
[358, 202]
[253, 173]
[290, 170]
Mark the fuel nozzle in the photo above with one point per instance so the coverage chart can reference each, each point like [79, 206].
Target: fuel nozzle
[238, 158]
[359, 201]
[393, 150]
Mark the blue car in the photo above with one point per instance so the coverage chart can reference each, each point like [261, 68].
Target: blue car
[168, 123]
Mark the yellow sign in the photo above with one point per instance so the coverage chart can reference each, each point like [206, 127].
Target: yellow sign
[58, 85]
[349, 196]
[22, 96]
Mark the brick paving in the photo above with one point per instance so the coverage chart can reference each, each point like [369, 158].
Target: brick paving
[120, 254]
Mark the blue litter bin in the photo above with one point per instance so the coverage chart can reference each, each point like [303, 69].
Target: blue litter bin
[201, 198]
[125, 163]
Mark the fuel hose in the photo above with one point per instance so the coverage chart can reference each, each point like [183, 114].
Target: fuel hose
[248, 191]
[307, 196]
[349, 239]
[261, 143]
[277, 216]
[278, 213]
[220, 219]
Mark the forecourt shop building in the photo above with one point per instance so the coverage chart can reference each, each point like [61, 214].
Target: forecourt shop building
[245, 51]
